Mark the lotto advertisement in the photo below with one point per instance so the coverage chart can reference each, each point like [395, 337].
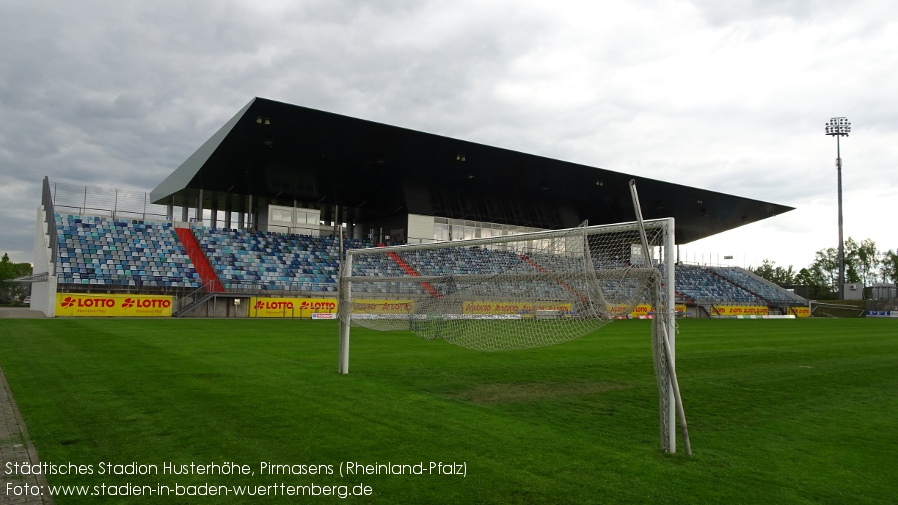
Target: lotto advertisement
[646, 311]
[642, 311]
[381, 306]
[499, 308]
[291, 307]
[109, 305]
[309, 307]
[739, 310]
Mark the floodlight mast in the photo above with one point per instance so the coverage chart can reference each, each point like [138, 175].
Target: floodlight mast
[839, 127]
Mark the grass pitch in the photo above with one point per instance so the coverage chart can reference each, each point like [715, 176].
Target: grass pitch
[779, 411]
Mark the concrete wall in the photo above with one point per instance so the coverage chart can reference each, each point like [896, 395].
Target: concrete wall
[420, 227]
[43, 294]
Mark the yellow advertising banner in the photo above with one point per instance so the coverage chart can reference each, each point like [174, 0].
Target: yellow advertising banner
[290, 307]
[644, 310]
[498, 308]
[801, 311]
[362, 306]
[109, 305]
[489, 307]
[305, 307]
[739, 310]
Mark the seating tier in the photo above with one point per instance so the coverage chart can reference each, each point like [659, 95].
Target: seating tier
[273, 261]
[103, 251]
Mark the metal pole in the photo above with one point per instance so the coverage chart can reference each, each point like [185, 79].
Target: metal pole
[670, 330]
[671, 369]
[841, 241]
[666, 337]
[344, 312]
[837, 127]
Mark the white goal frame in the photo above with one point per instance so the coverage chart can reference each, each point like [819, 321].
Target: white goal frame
[663, 300]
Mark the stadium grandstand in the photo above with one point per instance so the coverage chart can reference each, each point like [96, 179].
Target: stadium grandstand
[250, 225]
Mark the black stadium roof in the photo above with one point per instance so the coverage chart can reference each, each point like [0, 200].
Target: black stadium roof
[281, 153]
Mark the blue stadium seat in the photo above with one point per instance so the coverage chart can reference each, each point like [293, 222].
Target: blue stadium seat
[108, 251]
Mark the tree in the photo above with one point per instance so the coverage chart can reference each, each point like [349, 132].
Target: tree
[826, 268]
[778, 275]
[862, 261]
[815, 282]
[11, 291]
[888, 268]
[5, 267]
[863, 264]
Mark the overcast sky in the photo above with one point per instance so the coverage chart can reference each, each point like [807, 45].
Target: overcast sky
[730, 96]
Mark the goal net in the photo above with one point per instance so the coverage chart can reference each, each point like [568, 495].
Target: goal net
[518, 291]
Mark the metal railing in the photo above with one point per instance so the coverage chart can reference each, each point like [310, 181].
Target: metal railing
[117, 203]
[106, 284]
[281, 288]
[195, 297]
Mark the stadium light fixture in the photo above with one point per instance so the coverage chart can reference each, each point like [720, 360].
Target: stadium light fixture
[839, 127]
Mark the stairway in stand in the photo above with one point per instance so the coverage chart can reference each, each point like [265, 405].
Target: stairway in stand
[432, 291]
[200, 262]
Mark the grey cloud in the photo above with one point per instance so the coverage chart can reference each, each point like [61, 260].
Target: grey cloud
[722, 13]
[118, 94]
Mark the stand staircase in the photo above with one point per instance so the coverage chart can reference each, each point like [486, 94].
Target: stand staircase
[212, 285]
[200, 262]
[432, 291]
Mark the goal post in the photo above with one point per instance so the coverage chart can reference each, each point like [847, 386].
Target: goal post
[521, 291]
[664, 333]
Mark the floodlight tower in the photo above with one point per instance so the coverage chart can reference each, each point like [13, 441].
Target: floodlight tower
[839, 127]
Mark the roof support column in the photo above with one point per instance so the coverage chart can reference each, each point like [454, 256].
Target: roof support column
[338, 220]
[214, 211]
[250, 223]
[199, 208]
[350, 222]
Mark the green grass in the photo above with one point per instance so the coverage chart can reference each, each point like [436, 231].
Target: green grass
[779, 411]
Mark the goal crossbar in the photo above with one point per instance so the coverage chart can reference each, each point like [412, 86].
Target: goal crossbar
[601, 275]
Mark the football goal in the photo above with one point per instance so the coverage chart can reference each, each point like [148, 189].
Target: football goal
[522, 291]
